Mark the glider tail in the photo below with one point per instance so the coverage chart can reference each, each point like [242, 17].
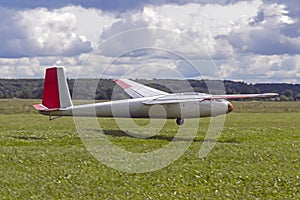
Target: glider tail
[56, 94]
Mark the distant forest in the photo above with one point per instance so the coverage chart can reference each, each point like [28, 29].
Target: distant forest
[106, 89]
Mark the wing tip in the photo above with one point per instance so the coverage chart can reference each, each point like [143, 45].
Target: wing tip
[122, 84]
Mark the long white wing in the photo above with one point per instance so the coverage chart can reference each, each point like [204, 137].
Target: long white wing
[136, 90]
[240, 96]
[184, 97]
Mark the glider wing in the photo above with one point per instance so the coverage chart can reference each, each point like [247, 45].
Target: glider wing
[136, 90]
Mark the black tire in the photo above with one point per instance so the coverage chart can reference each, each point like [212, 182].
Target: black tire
[179, 121]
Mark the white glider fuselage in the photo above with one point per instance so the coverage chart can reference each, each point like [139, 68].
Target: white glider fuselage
[137, 108]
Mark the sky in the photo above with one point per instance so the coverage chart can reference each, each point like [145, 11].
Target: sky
[253, 41]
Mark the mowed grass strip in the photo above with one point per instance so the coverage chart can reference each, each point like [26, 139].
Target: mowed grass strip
[257, 156]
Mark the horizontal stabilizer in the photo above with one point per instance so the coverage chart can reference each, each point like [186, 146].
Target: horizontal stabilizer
[41, 107]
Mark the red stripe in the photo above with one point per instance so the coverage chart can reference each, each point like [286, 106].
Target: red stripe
[122, 84]
[51, 91]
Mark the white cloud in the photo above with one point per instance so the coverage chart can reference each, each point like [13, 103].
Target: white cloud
[190, 30]
[90, 22]
[202, 23]
[264, 35]
[41, 32]
[251, 40]
[21, 67]
[34, 67]
[42, 38]
[262, 68]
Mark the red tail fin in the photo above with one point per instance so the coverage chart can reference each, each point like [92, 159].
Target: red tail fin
[56, 92]
[51, 89]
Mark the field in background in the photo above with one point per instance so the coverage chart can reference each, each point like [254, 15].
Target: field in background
[257, 156]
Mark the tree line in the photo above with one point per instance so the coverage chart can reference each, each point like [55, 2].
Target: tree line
[106, 89]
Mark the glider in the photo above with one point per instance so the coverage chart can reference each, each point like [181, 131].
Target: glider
[145, 102]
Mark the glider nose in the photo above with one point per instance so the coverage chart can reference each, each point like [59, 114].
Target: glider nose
[230, 107]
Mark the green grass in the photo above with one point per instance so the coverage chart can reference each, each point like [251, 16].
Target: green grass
[257, 157]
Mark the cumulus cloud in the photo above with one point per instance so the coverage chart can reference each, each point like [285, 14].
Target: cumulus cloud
[192, 31]
[48, 37]
[32, 67]
[262, 68]
[112, 6]
[40, 32]
[22, 67]
[264, 34]
[250, 40]
[89, 23]
[201, 23]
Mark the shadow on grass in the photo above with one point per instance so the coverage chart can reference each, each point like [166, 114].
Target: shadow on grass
[22, 137]
[119, 133]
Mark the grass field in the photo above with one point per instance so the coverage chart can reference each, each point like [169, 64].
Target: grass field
[257, 157]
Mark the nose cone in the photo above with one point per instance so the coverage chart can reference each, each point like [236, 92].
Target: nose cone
[230, 107]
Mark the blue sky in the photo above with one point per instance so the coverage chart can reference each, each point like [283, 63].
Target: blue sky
[253, 41]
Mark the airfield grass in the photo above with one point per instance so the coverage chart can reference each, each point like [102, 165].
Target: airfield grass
[257, 157]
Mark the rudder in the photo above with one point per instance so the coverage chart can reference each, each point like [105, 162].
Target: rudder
[56, 91]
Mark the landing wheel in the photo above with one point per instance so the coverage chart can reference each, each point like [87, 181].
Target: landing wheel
[179, 121]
